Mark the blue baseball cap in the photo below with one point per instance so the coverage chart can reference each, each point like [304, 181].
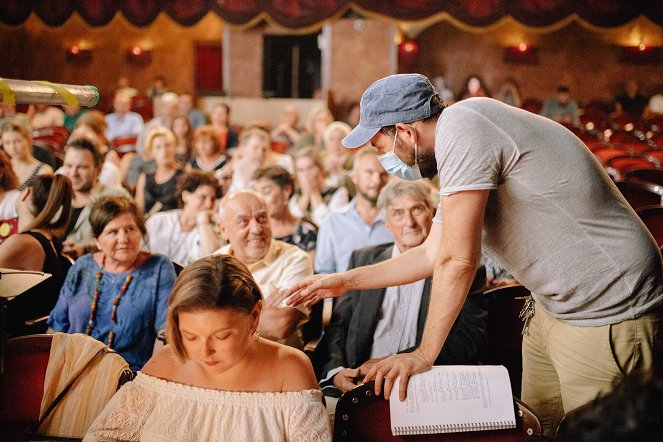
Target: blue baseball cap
[400, 98]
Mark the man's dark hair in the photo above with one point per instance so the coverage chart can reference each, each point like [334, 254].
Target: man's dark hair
[85, 144]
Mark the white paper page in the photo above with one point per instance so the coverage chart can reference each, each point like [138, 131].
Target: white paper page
[453, 395]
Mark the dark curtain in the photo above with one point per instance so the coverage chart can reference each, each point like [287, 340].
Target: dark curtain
[306, 13]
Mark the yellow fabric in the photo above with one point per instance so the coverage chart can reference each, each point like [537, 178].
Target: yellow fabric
[8, 96]
[89, 394]
[69, 98]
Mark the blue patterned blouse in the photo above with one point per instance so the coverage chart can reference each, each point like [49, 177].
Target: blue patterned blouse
[140, 314]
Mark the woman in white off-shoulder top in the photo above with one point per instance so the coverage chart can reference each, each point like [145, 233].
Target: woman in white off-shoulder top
[216, 379]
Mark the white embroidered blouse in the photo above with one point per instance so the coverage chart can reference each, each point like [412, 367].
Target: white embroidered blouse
[152, 409]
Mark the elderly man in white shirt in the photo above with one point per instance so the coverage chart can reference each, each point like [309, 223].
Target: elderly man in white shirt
[275, 265]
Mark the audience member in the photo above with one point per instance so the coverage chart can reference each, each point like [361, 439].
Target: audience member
[188, 109]
[440, 86]
[315, 197]
[122, 122]
[118, 295]
[275, 265]
[8, 188]
[155, 191]
[124, 87]
[359, 223]
[474, 87]
[352, 114]
[183, 135]
[220, 120]
[82, 165]
[93, 126]
[276, 185]
[167, 112]
[337, 158]
[241, 387]
[631, 102]
[158, 88]
[43, 213]
[210, 153]
[254, 152]
[368, 325]
[561, 108]
[71, 115]
[655, 106]
[17, 142]
[508, 93]
[186, 234]
[317, 119]
[286, 133]
[44, 115]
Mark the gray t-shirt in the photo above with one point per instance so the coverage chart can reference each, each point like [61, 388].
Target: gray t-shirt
[554, 219]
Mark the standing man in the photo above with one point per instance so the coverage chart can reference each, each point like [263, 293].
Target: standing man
[532, 195]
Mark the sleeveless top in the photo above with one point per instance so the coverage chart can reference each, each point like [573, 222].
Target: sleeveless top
[28, 181]
[218, 164]
[165, 193]
[40, 299]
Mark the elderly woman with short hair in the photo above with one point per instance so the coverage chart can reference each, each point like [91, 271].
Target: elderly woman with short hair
[118, 295]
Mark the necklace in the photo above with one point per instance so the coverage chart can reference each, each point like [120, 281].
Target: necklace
[116, 302]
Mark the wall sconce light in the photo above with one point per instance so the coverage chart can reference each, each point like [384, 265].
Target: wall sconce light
[408, 51]
[641, 54]
[76, 54]
[521, 54]
[139, 56]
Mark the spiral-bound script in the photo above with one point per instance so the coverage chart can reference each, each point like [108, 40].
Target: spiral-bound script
[454, 398]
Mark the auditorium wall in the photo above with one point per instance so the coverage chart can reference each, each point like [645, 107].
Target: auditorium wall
[579, 57]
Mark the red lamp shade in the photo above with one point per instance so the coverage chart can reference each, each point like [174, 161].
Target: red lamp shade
[76, 54]
[408, 51]
[139, 56]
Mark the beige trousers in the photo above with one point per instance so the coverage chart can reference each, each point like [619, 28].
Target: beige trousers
[565, 366]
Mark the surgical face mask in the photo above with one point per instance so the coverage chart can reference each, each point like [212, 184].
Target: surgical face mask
[398, 167]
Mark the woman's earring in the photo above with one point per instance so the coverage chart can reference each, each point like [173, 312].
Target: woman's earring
[255, 335]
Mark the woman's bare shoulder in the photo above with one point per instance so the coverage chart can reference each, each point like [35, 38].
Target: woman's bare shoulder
[163, 364]
[22, 252]
[292, 366]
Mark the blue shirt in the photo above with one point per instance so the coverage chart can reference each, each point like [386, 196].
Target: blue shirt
[140, 315]
[131, 124]
[341, 233]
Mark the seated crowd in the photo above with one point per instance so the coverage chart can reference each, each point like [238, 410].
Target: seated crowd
[240, 216]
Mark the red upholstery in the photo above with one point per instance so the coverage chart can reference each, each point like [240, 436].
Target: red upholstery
[22, 383]
[604, 153]
[533, 105]
[622, 164]
[657, 154]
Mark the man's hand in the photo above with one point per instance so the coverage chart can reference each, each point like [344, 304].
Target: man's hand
[73, 249]
[387, 370]
[347, 379]
[317, 287]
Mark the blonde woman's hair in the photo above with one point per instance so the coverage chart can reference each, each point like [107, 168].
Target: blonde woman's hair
[159, 132]
[213, 282]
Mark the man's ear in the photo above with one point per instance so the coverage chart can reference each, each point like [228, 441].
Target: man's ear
[407, 130]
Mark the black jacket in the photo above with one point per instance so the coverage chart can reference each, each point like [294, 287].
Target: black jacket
[348, 338]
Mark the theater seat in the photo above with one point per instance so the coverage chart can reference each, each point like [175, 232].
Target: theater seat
[639, 194]
[363, 416]
[22, 384]
[652, 216]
